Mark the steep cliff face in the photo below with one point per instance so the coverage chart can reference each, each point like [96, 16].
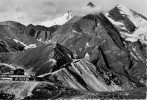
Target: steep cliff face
[41, 33]
[9, 45]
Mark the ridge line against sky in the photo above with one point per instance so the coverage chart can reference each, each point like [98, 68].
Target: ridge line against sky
[37, 11]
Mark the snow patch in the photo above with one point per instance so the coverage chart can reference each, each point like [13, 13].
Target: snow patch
[87, 57]
[25, 46]
[76, 32]
[31, 46]
[139, 34]
[53, 62]
[45, 42]
[17, 41]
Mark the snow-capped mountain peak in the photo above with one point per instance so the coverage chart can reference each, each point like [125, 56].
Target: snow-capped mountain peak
[132, 15]
[121, 6]
[133, 26]
[59, 21]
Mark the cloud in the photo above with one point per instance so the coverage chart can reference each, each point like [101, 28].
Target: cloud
[87, 10]
[49, 3]
[3, 9]
[37, 11]
[20, 16]
[18, 9]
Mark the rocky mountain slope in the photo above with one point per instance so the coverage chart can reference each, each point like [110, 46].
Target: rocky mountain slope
[41, 33]
[44, 90]
[96, 56]
[16, 37]
[15, 30]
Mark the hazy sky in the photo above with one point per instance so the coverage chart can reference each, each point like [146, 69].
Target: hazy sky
[37, 11]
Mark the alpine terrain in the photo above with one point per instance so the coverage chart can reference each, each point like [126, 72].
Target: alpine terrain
[96, 56]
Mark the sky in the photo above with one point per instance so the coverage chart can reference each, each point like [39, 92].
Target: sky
[38, 11]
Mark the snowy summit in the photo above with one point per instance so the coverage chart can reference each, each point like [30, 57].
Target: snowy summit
[59, 21]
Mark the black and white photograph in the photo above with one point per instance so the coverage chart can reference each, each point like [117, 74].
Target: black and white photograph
[73, 49]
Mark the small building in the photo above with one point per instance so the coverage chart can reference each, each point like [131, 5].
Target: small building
[19, 72]
[16, 75]
[20, 77]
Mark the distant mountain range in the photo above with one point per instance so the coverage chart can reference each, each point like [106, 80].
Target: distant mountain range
[99, 56]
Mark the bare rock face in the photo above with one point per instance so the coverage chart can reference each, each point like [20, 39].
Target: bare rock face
[97, 54]
[91, 5]
[9, 45]
[41, 33]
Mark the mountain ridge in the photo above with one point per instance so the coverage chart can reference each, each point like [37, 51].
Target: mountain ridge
[92, 53]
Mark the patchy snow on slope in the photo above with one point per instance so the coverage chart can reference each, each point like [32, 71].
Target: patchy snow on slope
[59, 21]
[31, 46]
[137, 20]
[118, 24]
[17, 41]
[139, 34]
[25, 46]
[44, 42]
[74, 31]
[141, 31]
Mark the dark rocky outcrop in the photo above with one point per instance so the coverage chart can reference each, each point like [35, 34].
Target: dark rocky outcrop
[41, 33]
[9, 45]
